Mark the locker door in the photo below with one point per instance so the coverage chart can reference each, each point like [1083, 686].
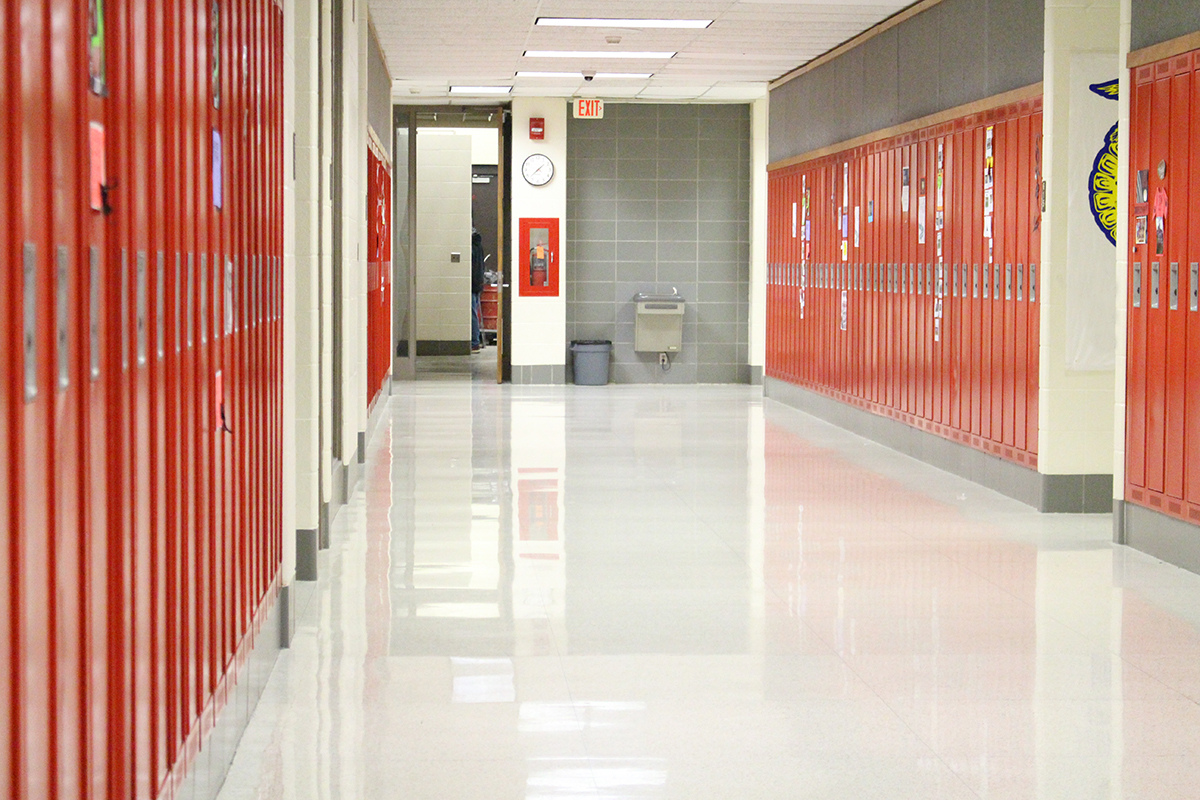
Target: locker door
[1013, 199]
[64, 392]
[773, 205]
[1192, 306]
[1026, 199]
[1156, 333]
[1178, 158]
[33, 437]
[1135, 428]
[9, 337]
[987, 331]
[1034, 326]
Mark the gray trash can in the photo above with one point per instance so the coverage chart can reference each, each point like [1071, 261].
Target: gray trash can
[590, 360]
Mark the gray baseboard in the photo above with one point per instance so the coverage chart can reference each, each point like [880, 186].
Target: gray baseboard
[430, 347]
[207, 771]
[362, 447]
[756, 375]
[287, 617]
[1119, 522]
[1156, 534]
[308, 543]
[326, 516]
[1058, 494]
[539, 375]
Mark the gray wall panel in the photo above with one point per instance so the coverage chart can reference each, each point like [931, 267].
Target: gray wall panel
[379, 94]
[1157, 21]
[957, 52]
[681, 221]
[1015, 44]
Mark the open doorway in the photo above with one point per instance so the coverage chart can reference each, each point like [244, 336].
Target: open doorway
[458, 184]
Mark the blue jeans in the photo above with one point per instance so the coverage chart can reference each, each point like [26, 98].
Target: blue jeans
[476, 318]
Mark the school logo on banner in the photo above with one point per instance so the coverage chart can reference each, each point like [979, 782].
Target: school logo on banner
[1102, 184]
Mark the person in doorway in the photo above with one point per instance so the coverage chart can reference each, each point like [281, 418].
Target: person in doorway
[477, 281]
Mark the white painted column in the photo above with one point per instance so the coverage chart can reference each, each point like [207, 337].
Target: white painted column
[353, 286]
[1122, 265]
[1075, 406]
[759, 122]
[303, 301]
[539, 324]
[288, 422]
[325, 416]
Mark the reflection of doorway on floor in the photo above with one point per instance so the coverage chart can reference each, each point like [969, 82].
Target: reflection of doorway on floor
[457, 189]
[485, 186]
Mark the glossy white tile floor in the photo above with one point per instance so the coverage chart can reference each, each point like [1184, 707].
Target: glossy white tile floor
[639, 592]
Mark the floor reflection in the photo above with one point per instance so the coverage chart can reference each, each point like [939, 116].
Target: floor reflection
[683, 592]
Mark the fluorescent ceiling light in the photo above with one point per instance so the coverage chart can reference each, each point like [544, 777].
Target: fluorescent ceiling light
[596, 22]
[659, 56]
[480, 89]
[643, 76]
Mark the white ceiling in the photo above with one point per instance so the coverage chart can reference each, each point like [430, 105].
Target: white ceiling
[431, 44]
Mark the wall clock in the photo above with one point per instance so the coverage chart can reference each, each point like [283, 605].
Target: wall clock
[537, 170]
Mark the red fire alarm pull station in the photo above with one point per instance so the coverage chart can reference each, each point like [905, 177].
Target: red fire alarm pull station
[538, 256]
[537, 128]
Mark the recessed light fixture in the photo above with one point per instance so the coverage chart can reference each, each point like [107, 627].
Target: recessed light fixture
[646, 55]
[596, 22]
[480, 89]
[579, 75]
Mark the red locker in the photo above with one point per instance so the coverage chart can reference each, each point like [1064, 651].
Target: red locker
[32, 547]
[1156, 332]
[1191, 300]
[1176, 251]
[9, 60]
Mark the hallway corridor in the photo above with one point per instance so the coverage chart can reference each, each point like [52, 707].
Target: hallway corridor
[690, 592]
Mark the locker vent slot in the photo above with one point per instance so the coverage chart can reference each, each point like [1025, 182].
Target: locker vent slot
[202, 298]
[178, 302]
[160, 305]
[1008, 278]
[1154, 279]
[94, 314]
[62, 315]
[1033, 283]
[1137, 284]
[239, 318]
[141, 308]
[124, 310]
[1020, 282]
[29, 265]
[216, 297]
[1174, 288]
[1195, 287]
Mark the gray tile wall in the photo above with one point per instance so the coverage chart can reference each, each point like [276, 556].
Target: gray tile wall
[953, 53]
[658, 197]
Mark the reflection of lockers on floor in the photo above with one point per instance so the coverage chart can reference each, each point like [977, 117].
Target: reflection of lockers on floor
[140, 420]
[864, 308]
[1163, 293]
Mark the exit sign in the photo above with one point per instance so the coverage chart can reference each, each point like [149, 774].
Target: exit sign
[589, 108]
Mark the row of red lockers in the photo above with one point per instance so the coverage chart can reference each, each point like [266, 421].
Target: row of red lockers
[140, 358]
[1163, 299]
[379, 272]
[903, 278]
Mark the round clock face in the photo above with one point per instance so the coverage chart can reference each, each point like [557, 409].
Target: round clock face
[537, 169]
